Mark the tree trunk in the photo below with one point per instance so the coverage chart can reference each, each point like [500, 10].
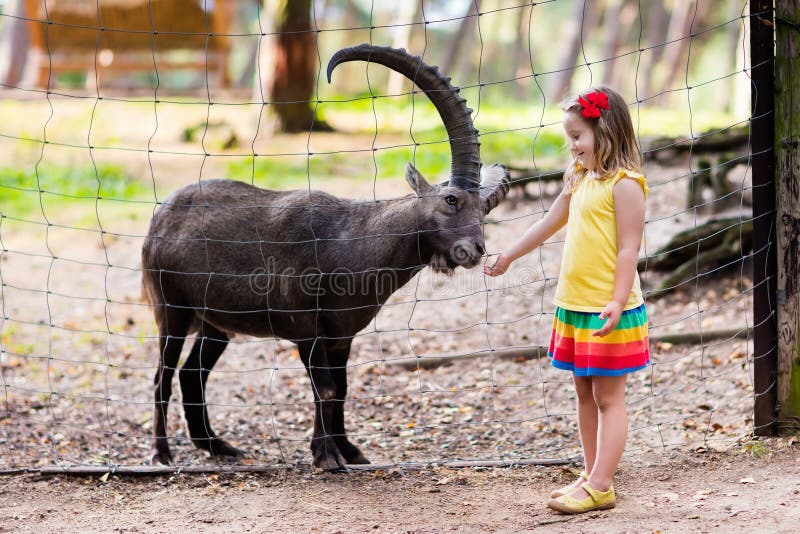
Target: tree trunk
[521, 64]
[698, 252]
[465, 30]
[474, 51]
[243, 16]
[402, 37]
[667, 149]
[656, 34]
[612, 38]
[679, 22]
[17, 40]
[733, 36]
[684, 19]
[787, 173]
[574, 31]
[520, 354]
[295, 70]
[621, 75]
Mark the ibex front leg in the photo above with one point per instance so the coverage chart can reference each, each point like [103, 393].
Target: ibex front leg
[338, 354]
[323, 445]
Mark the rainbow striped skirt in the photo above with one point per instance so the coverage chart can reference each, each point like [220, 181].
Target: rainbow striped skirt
[624, 350]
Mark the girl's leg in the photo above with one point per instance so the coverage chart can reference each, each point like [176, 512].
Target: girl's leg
[587, 420]
[587, 425]
[609, 394]
[612, 431]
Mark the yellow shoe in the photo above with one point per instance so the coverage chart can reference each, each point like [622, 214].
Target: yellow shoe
[597, 500]
[569, 488]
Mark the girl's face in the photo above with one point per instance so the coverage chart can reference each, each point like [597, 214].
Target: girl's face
[580, 137]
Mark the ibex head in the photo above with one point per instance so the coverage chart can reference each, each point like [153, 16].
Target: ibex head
[449, 214]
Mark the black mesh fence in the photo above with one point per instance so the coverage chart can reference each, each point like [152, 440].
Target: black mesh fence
[119, 104]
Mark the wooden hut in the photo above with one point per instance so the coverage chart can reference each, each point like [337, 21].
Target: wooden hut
[129, 36]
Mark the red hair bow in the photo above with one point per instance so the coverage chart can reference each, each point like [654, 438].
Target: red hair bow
[592, 104]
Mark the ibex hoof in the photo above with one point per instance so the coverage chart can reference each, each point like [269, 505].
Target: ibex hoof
[351, 453]
[331, 465]
[358, 459]
[161, 457]
[327, 457]
[218, 447]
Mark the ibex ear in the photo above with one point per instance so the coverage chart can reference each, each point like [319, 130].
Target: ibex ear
[495, 182]
[417, 182]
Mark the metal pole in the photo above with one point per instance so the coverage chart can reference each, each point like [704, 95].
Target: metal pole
[762, 136]
[147, 470]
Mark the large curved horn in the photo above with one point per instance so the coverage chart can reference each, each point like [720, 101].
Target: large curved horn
[464, 146]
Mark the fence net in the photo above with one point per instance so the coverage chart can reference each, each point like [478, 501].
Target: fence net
[452, 367]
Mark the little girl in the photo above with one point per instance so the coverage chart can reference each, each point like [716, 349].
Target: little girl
[600, 324]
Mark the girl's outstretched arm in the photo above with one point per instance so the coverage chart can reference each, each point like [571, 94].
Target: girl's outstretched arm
[629, 205]
[537, 234]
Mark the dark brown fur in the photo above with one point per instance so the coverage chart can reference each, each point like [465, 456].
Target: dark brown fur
[224, 257]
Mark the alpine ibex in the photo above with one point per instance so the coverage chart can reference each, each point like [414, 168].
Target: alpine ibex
[224, 257]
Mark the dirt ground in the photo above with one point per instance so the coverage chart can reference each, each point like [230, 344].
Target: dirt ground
[731, 491]
[80, 351]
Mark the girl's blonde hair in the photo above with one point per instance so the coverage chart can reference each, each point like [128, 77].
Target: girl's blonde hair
[615, 143]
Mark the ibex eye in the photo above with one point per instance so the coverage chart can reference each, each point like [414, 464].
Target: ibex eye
[451, 199]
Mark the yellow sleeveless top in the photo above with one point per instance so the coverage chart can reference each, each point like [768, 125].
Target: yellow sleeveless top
[588, 265]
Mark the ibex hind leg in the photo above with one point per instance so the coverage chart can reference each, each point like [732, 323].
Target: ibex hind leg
[207, 349]
[173, 326]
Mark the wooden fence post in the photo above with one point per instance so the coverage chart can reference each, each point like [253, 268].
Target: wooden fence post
[787, 160]
[762, 139]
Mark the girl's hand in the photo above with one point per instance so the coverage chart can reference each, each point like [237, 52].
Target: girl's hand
[612, 312]
[500, 266]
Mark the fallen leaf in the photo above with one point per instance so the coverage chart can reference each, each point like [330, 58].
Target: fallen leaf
[736, 355]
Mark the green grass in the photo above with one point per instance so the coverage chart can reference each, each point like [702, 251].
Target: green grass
[431, 156]
[527, 116]
[756, 449]
[510, 134]
[24, 191]
[273, 173]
